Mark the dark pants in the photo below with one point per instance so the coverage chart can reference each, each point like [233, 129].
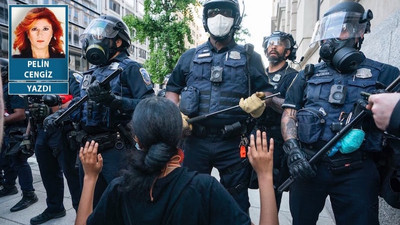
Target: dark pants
[54, 159]
[15, 166]
[202, 154]
[353, 194]
[113, 161]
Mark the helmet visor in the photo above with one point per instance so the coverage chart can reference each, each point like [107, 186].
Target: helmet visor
[340, 25]
[99, 29]
[278, 41]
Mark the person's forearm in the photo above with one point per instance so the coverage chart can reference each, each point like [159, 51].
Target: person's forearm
[174, 97]
[276, 104]
[15, 117]
[86, 202]
[288, 124]
[269, 212]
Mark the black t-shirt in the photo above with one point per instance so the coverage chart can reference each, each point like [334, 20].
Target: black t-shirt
[394, 124]
[181, 197]
[12, 102]
[280, 80]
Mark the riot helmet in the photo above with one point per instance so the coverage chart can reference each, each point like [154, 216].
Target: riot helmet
[4, 69]
[341, 33]
[98, 39]
[221, 18]
[283, 39]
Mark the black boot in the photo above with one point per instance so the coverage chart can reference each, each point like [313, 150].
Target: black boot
[8, 190]
[46, 216]
[28, 198]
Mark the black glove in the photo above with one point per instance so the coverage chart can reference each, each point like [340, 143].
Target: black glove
[26, 147]
[39, 111]
[297, 162]
[100, 94]
[49, 123]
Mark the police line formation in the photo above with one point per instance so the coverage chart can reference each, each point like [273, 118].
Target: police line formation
[156, 153]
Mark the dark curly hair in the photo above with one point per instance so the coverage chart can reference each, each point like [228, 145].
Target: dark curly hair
[157, 124]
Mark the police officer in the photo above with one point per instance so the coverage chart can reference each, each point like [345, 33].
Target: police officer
[14, 161]
[278, 48]
[320, 101]
[214, 76]
[53, 155]
[104, 116]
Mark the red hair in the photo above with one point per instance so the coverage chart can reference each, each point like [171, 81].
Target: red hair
[22, 42]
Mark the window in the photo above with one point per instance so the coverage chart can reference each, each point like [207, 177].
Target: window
[69, 34]
[85, 20]
[114, 6]
[78, 63]
[76, 16]
[142, 53]
[76, 36]
[3, 11]
[131, 50]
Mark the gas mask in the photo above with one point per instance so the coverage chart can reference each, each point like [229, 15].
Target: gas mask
[220, 25]
[98, 39]
[341, 54]
[340, 34]
[98, 52]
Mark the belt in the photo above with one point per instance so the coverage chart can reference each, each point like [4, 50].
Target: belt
[107, 140]
[202, 131]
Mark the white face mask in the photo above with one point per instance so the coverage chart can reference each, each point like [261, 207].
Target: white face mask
[219, 25]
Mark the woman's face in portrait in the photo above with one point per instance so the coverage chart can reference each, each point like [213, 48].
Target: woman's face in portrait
[40, 34]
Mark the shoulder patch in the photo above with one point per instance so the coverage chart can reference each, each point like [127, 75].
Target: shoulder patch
[78, 77]
[145, 76]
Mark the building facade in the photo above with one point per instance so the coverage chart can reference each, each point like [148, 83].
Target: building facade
[382, 44]
[299, 17]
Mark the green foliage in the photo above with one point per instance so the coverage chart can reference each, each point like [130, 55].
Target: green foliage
[165, 25]
[242, 34]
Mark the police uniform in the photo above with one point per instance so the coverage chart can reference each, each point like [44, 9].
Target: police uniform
[12, 164]
[270, 121]
[351, 180]
[209, 146]
[55, 159]
[99, 122]
[394, 123]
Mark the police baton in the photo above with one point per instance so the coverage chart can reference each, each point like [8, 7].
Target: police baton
[363, 112]
[202, 117]
[86, 97]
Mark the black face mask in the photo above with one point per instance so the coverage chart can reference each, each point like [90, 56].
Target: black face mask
[341, 54]
[98, 52]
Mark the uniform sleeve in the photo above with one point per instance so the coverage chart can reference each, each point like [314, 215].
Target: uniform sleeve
[74, 89]
[139, 84]
[288, 79]
[394, 124]
[259, 79]
[106, 211]
[223, 208]
[295, 92]
[17, 102]
[177, 81]
[388, 74]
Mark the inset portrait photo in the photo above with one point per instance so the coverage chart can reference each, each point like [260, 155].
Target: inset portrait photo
[38, 32]
[38, 59]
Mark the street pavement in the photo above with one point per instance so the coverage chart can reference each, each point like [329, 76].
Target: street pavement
[24, 216]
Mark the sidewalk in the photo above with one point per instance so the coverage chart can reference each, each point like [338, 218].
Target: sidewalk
[24, 216]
